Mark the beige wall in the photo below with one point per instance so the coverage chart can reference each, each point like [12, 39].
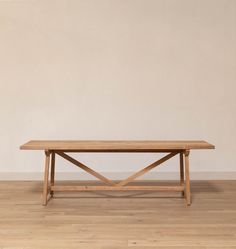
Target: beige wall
[118, 69]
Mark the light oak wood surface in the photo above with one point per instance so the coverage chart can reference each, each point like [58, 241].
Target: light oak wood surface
[115, 146]
[183, 186]
[118, 220]
[52, 148]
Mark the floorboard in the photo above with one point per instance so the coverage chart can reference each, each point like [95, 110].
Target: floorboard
[118, 220]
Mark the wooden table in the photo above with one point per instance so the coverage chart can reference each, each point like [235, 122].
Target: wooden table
[62, 148]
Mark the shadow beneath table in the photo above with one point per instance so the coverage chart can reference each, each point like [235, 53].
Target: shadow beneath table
[206, 186]
[196, 188]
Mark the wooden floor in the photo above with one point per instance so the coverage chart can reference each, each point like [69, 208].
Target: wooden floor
[107, 221]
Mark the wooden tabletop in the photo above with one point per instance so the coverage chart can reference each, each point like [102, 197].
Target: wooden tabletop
[116, 146]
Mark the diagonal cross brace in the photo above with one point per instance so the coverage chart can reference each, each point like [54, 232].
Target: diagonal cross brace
[123, 182]
[146, 169]
[86, 168]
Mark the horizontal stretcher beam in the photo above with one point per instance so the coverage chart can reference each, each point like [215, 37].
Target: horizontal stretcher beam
[112, 188]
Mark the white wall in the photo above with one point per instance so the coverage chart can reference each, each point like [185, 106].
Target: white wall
[118, 69]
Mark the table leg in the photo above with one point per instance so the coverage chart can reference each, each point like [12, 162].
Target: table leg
[46, 173]
[52, 177]
[187, 179]
[181, 160]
